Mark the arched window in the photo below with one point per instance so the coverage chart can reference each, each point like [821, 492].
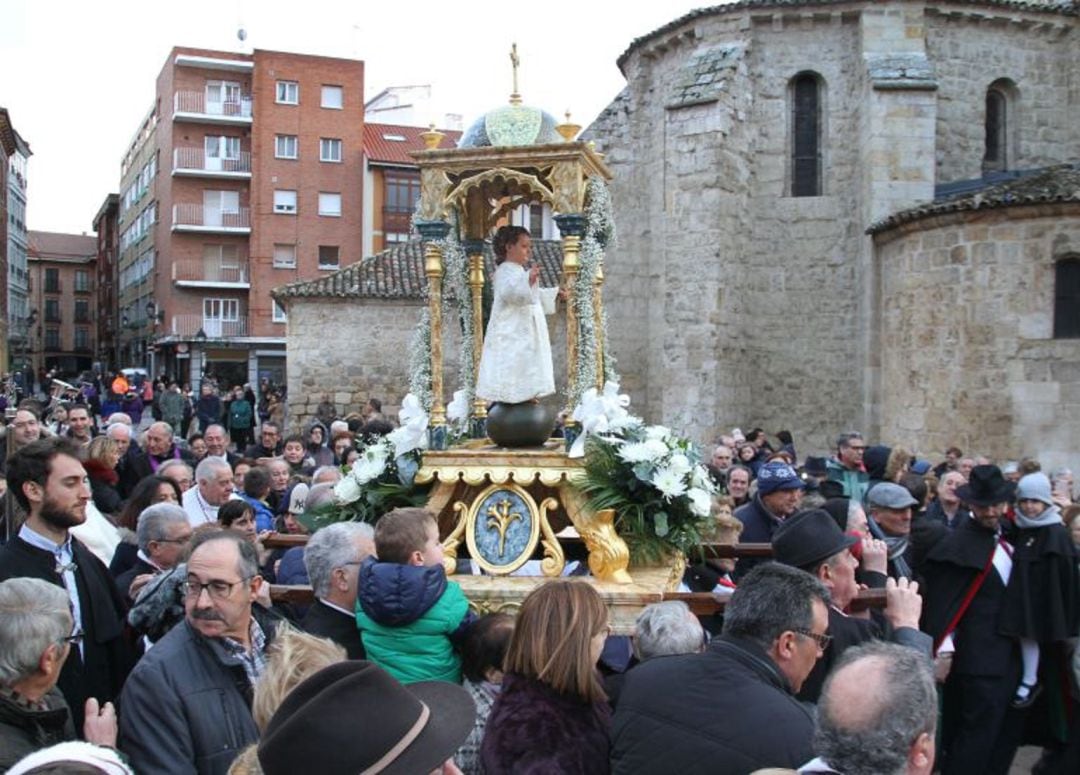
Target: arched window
[1067, 298]
[806, 135]
[1000, 116]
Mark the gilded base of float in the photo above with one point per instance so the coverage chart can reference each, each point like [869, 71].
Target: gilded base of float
[487, 497]
[495, 594]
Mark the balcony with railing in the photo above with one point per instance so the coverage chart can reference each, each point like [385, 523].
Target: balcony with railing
[189, 327]
[210, 220]
[212, 272]
[193, 106]
[193, 162]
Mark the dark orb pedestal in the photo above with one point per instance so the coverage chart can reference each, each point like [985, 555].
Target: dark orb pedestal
[520, 425]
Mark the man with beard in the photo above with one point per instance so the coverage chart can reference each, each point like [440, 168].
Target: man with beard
[50, 484]
[965, 577]
[187, 706]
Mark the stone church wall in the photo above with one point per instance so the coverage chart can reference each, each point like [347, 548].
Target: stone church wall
[968, 354]
[1036, 53]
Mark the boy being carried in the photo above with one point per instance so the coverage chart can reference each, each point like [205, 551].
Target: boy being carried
[409, 615]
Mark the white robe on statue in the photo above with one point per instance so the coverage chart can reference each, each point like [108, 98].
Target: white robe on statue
[516, 363]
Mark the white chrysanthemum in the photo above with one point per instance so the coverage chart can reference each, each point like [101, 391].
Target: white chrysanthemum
[346, 490]
[635, 452]
[658, 432]
[700, 502]
[699, 478]
[370, 466]
[680, 464]
[669, 483]
[657, 449]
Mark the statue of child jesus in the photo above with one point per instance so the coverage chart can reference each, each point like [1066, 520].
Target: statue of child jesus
[516, 363]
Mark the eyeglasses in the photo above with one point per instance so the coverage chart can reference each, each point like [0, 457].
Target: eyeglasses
[853, 448]
[218, 590]
[822, 641]
[74, 638]
[172, 540]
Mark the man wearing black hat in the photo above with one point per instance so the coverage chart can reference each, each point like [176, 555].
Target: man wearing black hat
[965, 576]
[811, 540]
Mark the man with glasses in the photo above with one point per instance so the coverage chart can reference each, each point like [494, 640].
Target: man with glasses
[162, 532]
[186, 706]
[269, 444]
[332, 558]
[847, 469]
[668, 718]
[50, 484]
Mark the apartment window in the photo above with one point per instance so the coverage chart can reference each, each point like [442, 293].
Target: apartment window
[279, 315]
[82, 339]
[284, 256]
[285, 146]
[52, 280]
[329, 149]
[328, 256]
[329, 204]
[52, 310]
[332, 97]
[1067, 298]
[223, 98]
[285, 202]
[82, 281]
[52, 338]
[82, 311]
[288, 92]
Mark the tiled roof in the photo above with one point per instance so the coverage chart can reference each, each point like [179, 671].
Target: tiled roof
[398, 273]
[1060, 183]
[63, 247]
[7, 136]
[380, 150]
[1060, 6]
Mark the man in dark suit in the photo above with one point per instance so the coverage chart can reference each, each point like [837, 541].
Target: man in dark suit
[332, 558]
[811, 540]
[50, 484]
[163, 533]
[965, 576]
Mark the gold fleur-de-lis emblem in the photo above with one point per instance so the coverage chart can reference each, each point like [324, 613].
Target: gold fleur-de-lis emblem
[500, 517]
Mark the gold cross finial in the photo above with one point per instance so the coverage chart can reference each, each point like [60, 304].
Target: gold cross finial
[515, 61]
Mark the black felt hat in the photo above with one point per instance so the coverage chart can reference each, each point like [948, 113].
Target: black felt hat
[355, 717]
[808, 538]
[986, 486]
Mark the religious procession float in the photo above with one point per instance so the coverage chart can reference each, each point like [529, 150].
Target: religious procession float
[628, 499]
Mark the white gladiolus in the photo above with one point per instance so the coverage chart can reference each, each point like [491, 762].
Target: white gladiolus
[346, 491]
[700, 502]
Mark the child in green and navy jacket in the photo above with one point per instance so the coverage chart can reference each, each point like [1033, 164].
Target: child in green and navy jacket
[409, 615]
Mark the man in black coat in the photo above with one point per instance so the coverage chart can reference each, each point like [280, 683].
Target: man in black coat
[669, 717]
[160, 447]
[812, 540]
[778, 497]
[49, 482]
[965, 576]
[332, 558]
[269, 444]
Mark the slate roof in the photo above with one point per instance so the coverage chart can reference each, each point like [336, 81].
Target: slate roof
[379, 150]
[1060, 183]
[1065, 7]
[54, 246]
[398, 273]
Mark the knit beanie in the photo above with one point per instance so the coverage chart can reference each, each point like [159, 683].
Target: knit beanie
[1034, 487]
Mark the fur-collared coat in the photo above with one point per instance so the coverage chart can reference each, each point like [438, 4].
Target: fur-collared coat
[533, 729]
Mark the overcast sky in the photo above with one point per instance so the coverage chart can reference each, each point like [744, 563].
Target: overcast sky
[79, 76]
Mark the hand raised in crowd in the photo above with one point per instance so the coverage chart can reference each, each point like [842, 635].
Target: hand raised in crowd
[903, 604]
[138, 583]
[875, 555]
[99, 727]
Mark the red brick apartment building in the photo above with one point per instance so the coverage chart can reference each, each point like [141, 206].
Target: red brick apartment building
[62, 275]
[108, 241]
[246, 174]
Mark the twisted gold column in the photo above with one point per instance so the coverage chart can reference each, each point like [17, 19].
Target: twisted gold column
[476, 286]
[571, 266]
[432, 232]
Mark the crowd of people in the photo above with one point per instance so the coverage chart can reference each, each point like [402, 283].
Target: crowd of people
[908, 618]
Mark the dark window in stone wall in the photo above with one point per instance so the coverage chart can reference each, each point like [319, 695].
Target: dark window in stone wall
[806, 136]
[994, 157]
[1067, 298]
